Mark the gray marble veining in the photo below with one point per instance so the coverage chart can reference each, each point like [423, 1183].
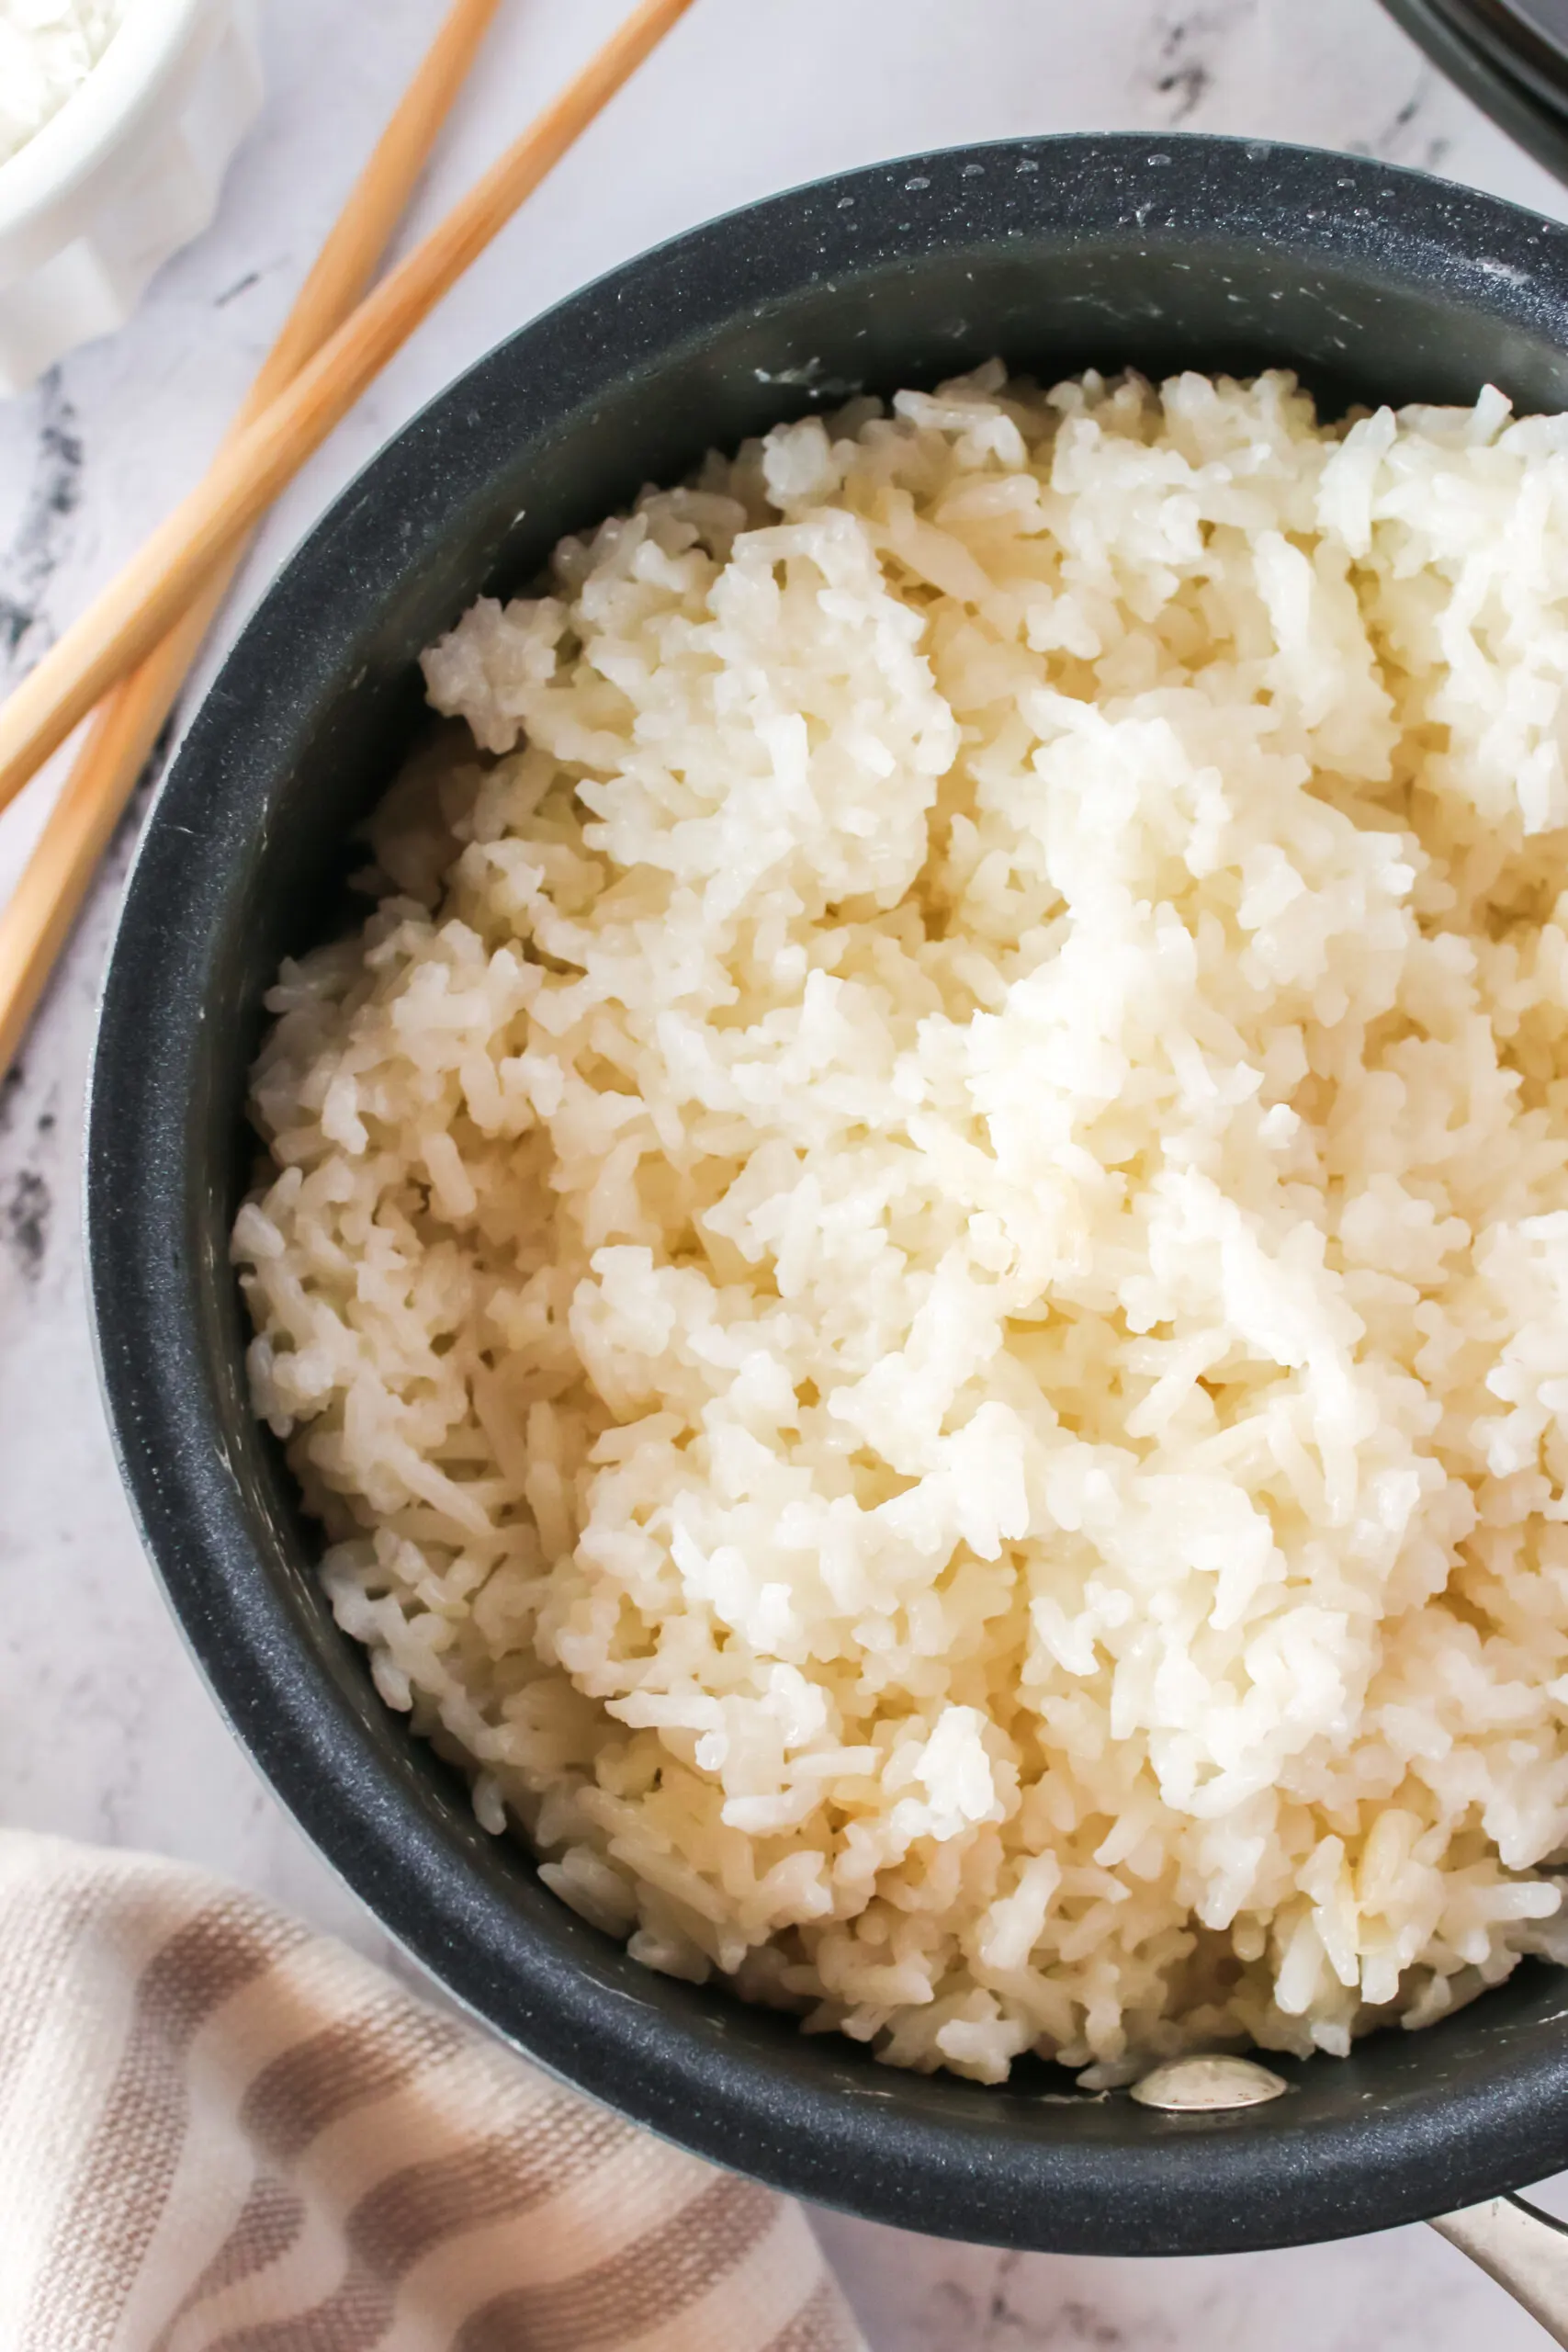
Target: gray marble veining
[104, 1731]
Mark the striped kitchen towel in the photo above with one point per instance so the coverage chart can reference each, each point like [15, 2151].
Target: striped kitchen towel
[219, 2132]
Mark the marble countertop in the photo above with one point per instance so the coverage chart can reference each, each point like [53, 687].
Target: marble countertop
[104, 1731]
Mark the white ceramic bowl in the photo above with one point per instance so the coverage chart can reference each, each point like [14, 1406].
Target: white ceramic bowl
[127, 173]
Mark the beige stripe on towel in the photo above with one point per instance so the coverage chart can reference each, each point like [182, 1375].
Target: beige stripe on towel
[220, 2133]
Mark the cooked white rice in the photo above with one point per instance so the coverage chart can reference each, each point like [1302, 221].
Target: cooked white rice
[48, 48]
[921, 1266]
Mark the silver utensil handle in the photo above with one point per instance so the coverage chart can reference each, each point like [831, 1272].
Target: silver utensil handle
[1525, 2250]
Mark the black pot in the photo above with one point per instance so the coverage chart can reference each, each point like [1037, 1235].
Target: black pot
[1058, 253]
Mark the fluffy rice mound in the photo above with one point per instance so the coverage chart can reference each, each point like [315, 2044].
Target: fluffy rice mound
[919, 1262]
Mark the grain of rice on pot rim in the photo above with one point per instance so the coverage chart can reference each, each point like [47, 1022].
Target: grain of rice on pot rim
[919, 1262]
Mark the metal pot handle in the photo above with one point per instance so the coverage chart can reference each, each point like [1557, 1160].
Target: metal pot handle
[1524, 2249]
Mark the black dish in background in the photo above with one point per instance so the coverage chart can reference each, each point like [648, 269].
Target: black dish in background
[1464, 44]
[1537, 48]
[1060, 254]
[1514, 45]
[1542, 21]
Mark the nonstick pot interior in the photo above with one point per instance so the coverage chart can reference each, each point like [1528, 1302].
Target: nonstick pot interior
[1059, 254]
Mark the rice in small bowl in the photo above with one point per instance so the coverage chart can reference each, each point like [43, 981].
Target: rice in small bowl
[920, 1261]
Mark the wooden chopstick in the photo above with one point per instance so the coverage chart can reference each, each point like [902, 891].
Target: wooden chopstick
[126, 620]
[37, 920]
